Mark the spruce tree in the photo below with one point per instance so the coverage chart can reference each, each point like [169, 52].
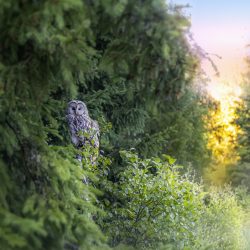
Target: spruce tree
[143, 83]
[43, 202]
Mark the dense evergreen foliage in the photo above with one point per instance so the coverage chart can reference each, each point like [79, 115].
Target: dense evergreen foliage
[142, 83]
[132, 65]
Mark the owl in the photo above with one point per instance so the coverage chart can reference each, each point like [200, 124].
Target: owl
[82, 128]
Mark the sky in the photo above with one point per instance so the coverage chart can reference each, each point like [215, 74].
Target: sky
[221, 27]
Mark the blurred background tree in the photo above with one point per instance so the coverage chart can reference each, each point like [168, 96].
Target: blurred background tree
[240, 174]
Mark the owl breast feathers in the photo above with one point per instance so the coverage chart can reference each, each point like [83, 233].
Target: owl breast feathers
[82, 128]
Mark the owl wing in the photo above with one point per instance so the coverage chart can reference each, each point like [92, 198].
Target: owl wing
[82, 126]
[85, 125]
[73, 129]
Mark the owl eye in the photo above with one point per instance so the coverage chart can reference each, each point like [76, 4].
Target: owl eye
[73, 109]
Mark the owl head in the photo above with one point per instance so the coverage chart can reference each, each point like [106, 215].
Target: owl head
[77, 108]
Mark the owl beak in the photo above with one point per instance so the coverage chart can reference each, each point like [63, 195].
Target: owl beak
[77, 112]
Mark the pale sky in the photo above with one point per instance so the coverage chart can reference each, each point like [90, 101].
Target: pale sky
[221, 27]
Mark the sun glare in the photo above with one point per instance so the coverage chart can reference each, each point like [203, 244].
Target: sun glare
[221, 92]
[223, 130]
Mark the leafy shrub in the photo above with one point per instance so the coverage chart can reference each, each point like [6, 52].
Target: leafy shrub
[156, 207]
[221, 221]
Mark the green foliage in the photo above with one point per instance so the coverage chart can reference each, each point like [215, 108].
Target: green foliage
[142, 82]
[156, 207]
[43, 202]
[51, 210]
[221, 222]
[131, 63]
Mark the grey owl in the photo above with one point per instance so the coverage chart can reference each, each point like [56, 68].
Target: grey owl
[80, 123]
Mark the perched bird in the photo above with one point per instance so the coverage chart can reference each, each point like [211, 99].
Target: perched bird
[82, 128]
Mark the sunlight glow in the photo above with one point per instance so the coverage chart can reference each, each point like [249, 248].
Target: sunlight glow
[223, 92]
[223, 130]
